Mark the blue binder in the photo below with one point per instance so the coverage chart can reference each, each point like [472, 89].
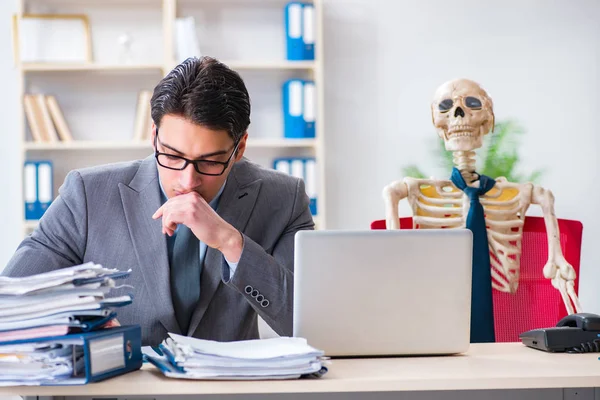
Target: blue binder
[299, 108]
[310, 179]
[282, 165]
[309, 109]
[305, 169]
[44, 185]
[300, 31]
[308, 31]
[30, 190]
[106, 353]
[293, 31]
[38, 188]
[293, 119]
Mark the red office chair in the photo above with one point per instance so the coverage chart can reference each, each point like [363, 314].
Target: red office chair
[536, 304]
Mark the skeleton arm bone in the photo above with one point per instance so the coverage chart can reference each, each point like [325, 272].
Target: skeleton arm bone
[392, 194]
[545, 199]
[557, 268]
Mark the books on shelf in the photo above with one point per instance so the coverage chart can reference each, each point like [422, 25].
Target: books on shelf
[273, 52]
[45, 118]
[143, 117]
[64, 133]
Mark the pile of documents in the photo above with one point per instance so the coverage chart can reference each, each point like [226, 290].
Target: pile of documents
[52, 304]
[276, 358]
[73, 359]
[34, 363]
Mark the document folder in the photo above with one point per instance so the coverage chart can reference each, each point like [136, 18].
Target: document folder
[300, 30]
[96, 355]
[308, 31]
[310, 179]
[293, 114]
[304, 168]
[37, 188]
[30, 191]
[45, 191]
[309, 110]
[293, 31]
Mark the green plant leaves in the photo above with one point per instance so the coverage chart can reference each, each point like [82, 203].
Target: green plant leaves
[497, 157]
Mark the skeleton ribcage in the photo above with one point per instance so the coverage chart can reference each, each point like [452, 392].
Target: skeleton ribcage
[504, 219]
[439, 204]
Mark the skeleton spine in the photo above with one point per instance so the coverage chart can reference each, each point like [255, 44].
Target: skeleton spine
[465, 162]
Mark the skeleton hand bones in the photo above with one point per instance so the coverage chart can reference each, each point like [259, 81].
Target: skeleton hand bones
[562, 275]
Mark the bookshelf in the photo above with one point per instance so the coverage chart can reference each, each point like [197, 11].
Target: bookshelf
[98, 97]
[131, 144]
[237, 65]
[41, 67]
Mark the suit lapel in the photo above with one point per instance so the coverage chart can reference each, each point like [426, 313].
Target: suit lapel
[141, 198]
[235, 206]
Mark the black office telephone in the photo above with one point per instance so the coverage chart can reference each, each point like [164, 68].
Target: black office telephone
[575, 333]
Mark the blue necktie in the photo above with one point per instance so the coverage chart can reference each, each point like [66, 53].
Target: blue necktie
[185, 276]
[482, 307]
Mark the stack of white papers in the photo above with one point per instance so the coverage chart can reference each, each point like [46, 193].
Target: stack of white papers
[33, 363]
[52, 304]
[57, 302]
[276, 358]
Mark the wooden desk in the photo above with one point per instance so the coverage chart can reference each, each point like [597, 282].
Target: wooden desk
[484, 366]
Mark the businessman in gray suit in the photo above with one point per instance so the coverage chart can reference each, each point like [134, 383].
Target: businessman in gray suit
[209, 235]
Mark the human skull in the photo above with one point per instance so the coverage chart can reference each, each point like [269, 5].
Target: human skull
[463, 114]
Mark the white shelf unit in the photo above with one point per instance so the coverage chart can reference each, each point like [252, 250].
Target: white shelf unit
[40, 67]
[237, 65]
[145, 145]
[98, 98]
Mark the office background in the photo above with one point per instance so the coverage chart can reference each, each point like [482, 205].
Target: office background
[538, 59]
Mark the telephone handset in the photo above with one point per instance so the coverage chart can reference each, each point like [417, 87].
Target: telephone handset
[584, 321]
[575, 333]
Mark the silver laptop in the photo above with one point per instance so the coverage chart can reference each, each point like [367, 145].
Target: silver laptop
[383, 292]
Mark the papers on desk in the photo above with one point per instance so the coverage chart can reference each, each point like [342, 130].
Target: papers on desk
[53, 304]
[57, 302]
[277, 358]
[72, 359]
[84, 275]
[30, 364]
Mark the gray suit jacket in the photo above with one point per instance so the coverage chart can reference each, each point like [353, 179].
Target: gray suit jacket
[103, 214]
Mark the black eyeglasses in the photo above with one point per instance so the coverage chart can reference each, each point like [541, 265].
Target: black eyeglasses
[204, 167]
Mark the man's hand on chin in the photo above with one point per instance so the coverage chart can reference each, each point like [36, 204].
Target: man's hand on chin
[193, 211]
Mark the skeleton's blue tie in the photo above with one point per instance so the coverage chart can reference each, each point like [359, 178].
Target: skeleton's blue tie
[482, 309]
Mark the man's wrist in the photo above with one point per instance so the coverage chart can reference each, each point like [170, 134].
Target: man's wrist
[233, 244]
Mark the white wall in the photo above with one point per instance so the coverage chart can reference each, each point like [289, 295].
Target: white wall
[11, 217]
[538, 59]
[384, 60]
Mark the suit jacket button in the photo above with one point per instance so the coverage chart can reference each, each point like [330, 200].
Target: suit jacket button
[264, 303]
[254, 293]
[248, 289]
[260, 298]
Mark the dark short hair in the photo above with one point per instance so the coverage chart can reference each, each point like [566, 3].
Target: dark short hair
[205, 92]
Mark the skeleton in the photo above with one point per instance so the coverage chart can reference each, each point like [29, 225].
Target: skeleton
[462, 114]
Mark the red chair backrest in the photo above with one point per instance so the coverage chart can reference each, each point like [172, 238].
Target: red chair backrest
[536, 304]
